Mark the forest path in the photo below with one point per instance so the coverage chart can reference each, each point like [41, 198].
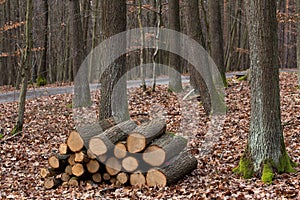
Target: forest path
[34, 93]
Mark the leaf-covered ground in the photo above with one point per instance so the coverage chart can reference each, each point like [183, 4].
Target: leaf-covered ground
[48, 121]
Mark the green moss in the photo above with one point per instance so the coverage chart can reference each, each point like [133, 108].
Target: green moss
[267, 173]
[1, 136]
[243, 78]
[286, 164]
[16, 129]
[245, 168]
[41, 81]
[69, 105]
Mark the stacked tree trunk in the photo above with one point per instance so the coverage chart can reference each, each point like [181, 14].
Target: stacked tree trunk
[121, 154]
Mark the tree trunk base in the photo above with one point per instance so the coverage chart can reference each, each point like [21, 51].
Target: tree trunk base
[246, 168]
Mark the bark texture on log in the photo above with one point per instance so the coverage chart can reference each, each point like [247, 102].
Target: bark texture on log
[113, 166]
[104, 142]
[175, 170]
[164, 148]
[140, 137]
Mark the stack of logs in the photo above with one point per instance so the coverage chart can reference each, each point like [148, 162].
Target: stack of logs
[120, 154]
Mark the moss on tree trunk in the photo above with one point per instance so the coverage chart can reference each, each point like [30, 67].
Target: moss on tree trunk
[269, 167]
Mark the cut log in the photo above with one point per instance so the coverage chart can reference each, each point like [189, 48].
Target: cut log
[176, 169]
[63, 149]
[113, 166]
[103, 143]
[89, 184]
[68, 169]
[163, 149]
[58, 161]
[75, 142]
[81, 157]
[52, 183]
[88, 131]
[90, 154]
[106, 176]
[140, 137]
[93, 166]
[73, 182]
[113, 180]
[120, 150]
[45, 173]
[130, 164]
[71, 159]
[97, 178]
[102, 158]
[65, 185]
[65, 177]
[122, 178]
[138, 179]
[78, 169]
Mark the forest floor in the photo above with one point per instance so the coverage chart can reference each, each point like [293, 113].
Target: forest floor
[49, 119]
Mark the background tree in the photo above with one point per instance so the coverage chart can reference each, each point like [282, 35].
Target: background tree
[216, 36]
[193, 27]
[43, 67]
[265, 152]
[298, 39]
[26, 64]
[175, 83]
[114, 22]
[82, 95]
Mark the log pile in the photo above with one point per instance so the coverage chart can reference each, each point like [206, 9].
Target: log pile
[120, 154]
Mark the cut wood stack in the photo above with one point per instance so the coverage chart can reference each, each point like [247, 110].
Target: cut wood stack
[121, 154]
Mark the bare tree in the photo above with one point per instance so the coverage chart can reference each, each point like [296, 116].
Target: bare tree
[216, 36]
[42, 69]
[298, 39]
[193, 27]
[175, 83]
[26, 64]
[82, 96]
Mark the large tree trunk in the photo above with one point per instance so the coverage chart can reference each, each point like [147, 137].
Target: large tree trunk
[114, 22]
[175, 83]
[265, 151]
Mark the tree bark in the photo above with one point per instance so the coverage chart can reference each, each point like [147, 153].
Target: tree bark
[141, 136]
[82, 96]
[104, 142]
[175, 170]
[298, 39]
[193, 27]
[42, 69]
[163, 149]
[216, 36]
[265, 152]
[26, 64]
[175, 83]
[114, 22]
